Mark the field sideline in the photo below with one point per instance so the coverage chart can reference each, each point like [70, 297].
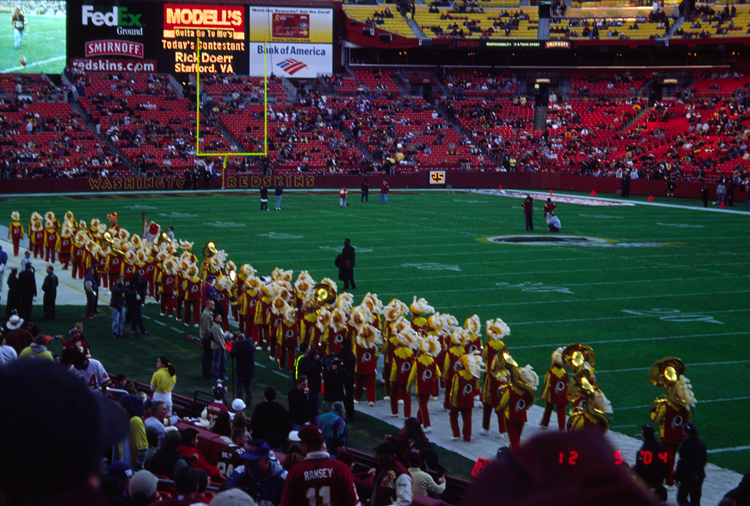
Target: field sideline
[654, 280]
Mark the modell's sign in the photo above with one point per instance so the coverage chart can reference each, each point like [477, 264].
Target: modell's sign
[114, 48]
[224, 21]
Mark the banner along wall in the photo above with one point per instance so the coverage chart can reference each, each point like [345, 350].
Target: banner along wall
[298, 41]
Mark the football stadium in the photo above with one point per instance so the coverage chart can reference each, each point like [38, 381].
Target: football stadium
[488, 252]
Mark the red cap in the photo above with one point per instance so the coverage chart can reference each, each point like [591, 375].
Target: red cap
[311, 435]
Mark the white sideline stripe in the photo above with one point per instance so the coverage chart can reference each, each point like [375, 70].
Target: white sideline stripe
[158, 322]
[708, 401]
[599, 371]
[179, 331]
[602, 299]
[33, 64]
[661, 338]
[280, 374]
[733, 449]
[260, 365]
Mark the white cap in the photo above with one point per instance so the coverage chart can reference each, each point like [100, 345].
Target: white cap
[238, 405]
[294, 436]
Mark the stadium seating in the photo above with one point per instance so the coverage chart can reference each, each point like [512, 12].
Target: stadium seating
[395, 24]
[518, 23]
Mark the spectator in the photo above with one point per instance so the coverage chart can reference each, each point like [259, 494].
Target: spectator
[279, 192]
[163, 382]
[17, 337]
[14, 299]
[7, 353]
[90, 286]
[49, 287]
[168, 459]
[690, 471]
[186, 483]
[159, 419]
[45, 392]
[312, 369]
[299, 403]
[190, 452]
[741, 494]
[648, 466]
[217, 406]
[206, 321]
[230, 457]
[77, 341]
[135, 446]
[117, 307]
[333, 424]
[260, 477]
[26, 291]
[391, 483]
[422, 483]
[243, 351]
[91, 370]
[270, 420]
[135, 293]
[349, 362]
[37, 349]
[335, 378]
[115, 483]
[218, 349]
[233, 497]
[142, 488]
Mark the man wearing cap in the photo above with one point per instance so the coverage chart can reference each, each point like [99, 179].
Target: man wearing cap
[260, 477]
[230, 457]
[690, 471]
[37, 349]
[391, 484]
[142, 487]
[115, 483]
[217, 406]
[648, 466]
[318, 480]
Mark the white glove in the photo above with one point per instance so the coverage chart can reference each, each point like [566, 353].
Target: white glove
[94, 294]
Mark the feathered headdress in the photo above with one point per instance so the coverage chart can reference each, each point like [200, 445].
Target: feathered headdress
[186, 245]
[344, 302]
[331, 283]
[528, 377]
[373, 303]
[278, 306]
[408, 338]
[473, 325]
[338, 320]
[557, 357]
[420, 307]
[497, 329]
[15, 216]
[459, 336]
[473, 363]
[369, 337]
[430, 345]
[360, 316]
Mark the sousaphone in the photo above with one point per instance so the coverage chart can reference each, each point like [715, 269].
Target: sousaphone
[666, 371]
[209, 250]
[575, 355]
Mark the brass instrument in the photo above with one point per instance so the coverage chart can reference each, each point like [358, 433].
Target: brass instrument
[107, 238]
[575, 355]
[162, 239]
[665, 372]
[324, 294]
[209, 249]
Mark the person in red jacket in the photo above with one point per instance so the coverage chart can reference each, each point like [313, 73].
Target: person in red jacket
[403, 361]
[555, 391]
[167, 281]
[36, 235]
[194, 456]
[425, 375]
[50, 240]
[517, 398]
[191, 289]
[549, 207]
[15, 231]
[464, 386]
[78, 253]
[287, 336]
[384, 189]
[366, 353]
[496, 376]
[342, 196]
[64, 245]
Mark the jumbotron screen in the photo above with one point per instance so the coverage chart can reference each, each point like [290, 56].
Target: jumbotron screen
[34, 38]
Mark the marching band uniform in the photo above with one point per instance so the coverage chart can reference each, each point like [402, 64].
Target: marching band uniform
[590, 414]
[419, 310]
[473, 341]
[36, 235]
[496, 376]
[425, 375]
[403, 361]
[167, 283]
[517, 398]
[366, 353]
[191, 290]
[50, 240]
[392, 312]
[15, 231]
[224, 285]
[335, 333]
[286, 335]
[464, 386]
[64, 245]
[263, 317]
[455, 352]
[555, 391]
[114, 263]
[78, 253]
[248, 306]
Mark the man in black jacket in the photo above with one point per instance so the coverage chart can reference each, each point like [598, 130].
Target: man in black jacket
[270, 420]
[243, 352]
[335, 378]
[135, 293]
[690, 470]
[263, 198]
[346, 271]
[312, 369]
[49, 287]
[299, 403]
[648, 466]
[117, 307]
[26, 291]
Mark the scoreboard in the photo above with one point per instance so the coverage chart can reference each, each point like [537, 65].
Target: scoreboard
[233, 39]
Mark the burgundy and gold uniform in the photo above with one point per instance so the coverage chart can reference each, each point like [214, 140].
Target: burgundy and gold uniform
[425, 376]
[15, 231]
[50, 241]
[555, 391]
[366, 354]
[213, 410]
[191, 288]
[287, 335]
[64, 246]
[464, 386]
[403, 361]
[319, 481]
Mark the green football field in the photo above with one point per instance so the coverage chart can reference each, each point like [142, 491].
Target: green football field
[651, 281]
[43, 45]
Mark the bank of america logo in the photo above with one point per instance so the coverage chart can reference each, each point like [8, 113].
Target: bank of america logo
[291, 66]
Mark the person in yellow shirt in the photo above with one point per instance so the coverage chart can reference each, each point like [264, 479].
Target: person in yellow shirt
[163, 381]
[134, 447]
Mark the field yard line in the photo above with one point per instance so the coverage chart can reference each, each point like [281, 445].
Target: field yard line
[281, 374]
[708, 401]
[566, 285]
[601, 299]
[33, 64]
[599, 371]
[733, 449]
[179, 331]
[662, 338]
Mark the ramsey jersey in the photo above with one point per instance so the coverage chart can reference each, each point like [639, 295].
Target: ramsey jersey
[319, 481]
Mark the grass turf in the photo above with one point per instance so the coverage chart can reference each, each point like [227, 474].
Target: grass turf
[43, 45]
[675, 284]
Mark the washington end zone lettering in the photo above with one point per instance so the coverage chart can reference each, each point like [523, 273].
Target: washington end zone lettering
[292, 50]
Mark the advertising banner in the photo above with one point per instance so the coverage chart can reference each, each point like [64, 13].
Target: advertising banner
[113, 38]
[291, 24]
[291, 60]
[221, 31]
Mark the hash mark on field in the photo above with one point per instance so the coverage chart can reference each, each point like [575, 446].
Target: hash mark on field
[433, 267]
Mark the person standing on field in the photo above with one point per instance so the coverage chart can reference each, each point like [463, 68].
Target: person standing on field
[384, 189]
[528, 212]
[49, 287]
[342, 196]
[347, 265]
[279, 192]
[263, 198]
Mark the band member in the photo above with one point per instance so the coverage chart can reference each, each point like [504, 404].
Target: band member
[496, 375]
[425, 375]
[455, 352]
[36, 235]
[464, 386]
[555, 391]
[517, 398]
[287, 335]
[78, 253]
[473, 341]
[392, 312]
[366, 353]
[64, 244]
[15, 231]
[403, 361]
[191, 293]
[672, 410]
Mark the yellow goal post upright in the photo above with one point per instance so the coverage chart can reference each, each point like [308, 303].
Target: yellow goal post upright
[198, 114]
